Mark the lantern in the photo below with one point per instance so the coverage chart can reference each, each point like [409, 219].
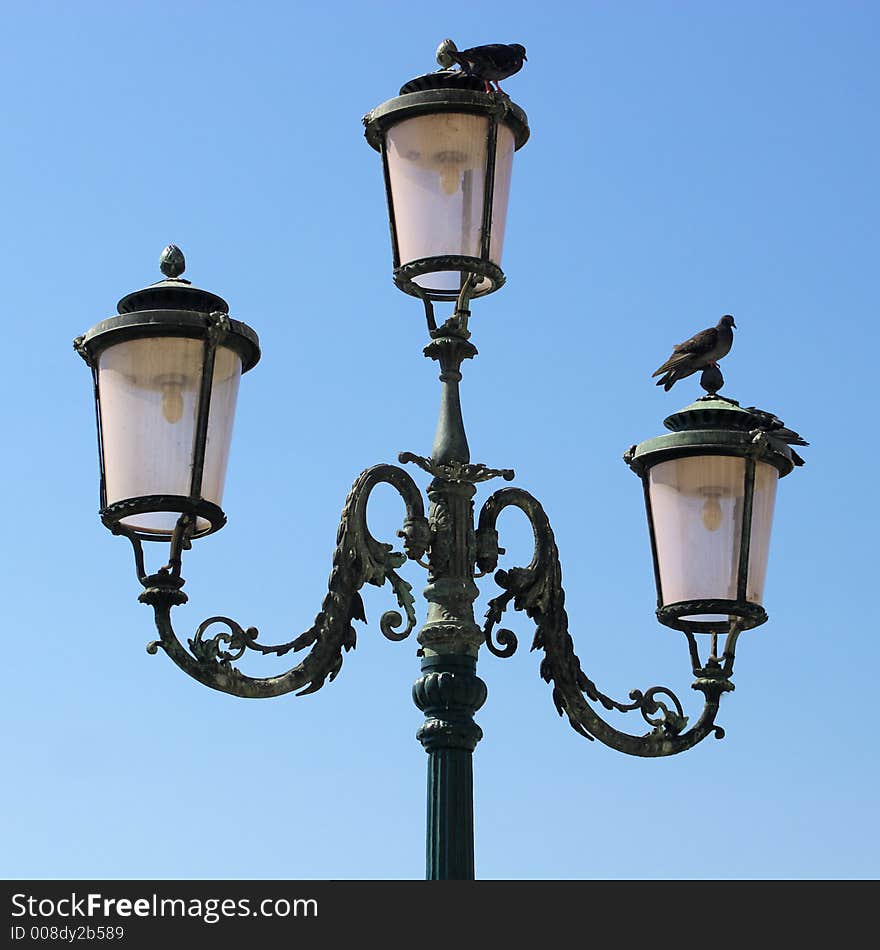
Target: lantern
[710, 489]
[166, 371]
[447, 151]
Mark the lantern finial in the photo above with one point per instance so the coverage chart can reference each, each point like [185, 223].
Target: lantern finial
[711, 379]
[172, 263]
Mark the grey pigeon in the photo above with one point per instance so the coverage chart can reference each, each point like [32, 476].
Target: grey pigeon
[491, 63]
[775, 427]
[701, 350]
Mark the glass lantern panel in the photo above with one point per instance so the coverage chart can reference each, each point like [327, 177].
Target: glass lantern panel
[503, 170]
[697, 506]
[766, 480]
[149, 391]
[437, 169]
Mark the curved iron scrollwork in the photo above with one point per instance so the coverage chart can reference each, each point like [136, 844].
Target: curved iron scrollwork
[537, 589]
[358, 559]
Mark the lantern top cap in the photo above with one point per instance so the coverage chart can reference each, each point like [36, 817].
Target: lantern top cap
[717, 425]
[711, 412]
[174, 292]
[446, 90]
[443, 79]
[720, 413]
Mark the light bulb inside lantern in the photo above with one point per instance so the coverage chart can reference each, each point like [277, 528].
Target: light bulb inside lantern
[172, 400]
[451, 163]
[450, 178]
[712, 513]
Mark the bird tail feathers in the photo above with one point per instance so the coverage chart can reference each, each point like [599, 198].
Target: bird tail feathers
[671, 363]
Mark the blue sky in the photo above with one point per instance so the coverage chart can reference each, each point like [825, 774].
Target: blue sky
[686, 160]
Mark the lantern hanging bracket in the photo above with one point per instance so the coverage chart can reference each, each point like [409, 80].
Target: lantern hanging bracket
[457, 324]
[181, 541]
[715, 670]
[537, 590]
[359, 559]
[167, 578]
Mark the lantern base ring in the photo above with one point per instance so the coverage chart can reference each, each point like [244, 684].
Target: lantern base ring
[405, 276]
[112, 515]
[684, 615]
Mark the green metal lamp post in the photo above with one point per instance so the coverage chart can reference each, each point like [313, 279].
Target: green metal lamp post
[166, 370]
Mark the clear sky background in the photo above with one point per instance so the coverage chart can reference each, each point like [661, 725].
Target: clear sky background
[687, 159]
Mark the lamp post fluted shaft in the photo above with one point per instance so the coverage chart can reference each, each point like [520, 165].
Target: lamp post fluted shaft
[449, 691]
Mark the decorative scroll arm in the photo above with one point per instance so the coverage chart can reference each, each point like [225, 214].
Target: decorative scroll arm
[537, 590]
[358, 559]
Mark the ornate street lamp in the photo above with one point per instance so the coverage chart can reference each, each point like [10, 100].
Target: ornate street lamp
[166, 370]
[710, 490]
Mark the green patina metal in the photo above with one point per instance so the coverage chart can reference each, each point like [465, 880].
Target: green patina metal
[713, 425]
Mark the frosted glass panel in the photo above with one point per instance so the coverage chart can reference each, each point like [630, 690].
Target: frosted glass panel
[503, 171]
[766, 480]
[437, 166]
[697, 506]
[149, 403]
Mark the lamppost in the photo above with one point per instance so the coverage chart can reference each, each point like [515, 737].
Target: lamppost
[166, 372]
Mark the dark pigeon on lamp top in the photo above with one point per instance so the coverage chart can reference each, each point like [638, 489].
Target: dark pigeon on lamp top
[703, 349]
[491, 63]
[775, 427]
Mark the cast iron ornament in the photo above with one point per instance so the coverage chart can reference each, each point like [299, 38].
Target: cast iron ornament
[359, 558]
[172, 263]
[458, 552]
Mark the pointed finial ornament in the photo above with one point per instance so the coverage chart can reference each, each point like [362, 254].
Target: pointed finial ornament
[172, 263]
[711, 379]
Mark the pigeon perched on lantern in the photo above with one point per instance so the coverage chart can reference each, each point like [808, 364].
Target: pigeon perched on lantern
[491, 63]
[701, 351]
[771, 424]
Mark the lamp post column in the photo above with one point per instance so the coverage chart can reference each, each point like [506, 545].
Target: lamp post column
[449, 691]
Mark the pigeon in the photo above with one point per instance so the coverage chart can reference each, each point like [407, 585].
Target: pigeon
[701, 350]
[775, 427]
[491, 63]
